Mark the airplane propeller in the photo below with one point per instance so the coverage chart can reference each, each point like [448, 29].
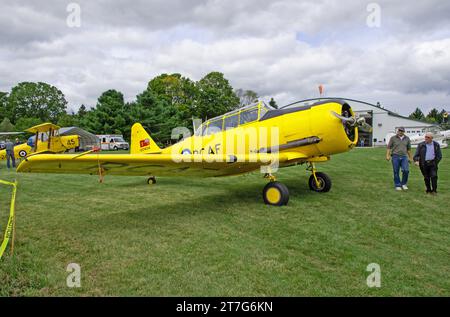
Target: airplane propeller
[363, 125]
[354, 122]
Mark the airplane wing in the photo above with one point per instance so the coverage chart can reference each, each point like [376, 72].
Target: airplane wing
[10, 133]
[44, 127]
[155, 164]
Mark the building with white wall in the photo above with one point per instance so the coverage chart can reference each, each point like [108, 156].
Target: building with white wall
[385, 121]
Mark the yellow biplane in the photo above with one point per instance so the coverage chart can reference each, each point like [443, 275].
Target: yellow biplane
[46, 139]
[251, 138]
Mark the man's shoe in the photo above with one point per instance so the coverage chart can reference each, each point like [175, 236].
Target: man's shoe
[404, 187]
[398, 188]
[434, 193]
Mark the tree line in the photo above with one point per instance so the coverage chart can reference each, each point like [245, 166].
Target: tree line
[434, 116]
[169, 101]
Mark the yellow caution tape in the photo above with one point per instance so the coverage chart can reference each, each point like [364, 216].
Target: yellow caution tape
[10, 225]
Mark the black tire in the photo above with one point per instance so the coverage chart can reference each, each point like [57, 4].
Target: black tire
[275, 194]
[151, 180]
[116, 148]
[324, 180]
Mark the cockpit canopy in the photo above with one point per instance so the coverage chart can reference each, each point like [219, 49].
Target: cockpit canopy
[233, 119]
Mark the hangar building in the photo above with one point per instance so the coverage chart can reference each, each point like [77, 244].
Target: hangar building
[87, 139]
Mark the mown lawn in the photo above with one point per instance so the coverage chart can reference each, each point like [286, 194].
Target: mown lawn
[215, 237]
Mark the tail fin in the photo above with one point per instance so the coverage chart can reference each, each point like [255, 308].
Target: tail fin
[141, 142]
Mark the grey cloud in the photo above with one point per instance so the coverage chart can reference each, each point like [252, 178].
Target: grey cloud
[123, 44]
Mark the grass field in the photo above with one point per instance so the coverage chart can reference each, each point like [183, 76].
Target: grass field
[215, 237]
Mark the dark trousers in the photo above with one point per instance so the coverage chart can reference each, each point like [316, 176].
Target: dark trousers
[429, 172]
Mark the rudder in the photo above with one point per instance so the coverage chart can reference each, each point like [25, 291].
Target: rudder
[141, 142]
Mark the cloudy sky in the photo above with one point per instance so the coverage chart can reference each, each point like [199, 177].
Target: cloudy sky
[394, 52]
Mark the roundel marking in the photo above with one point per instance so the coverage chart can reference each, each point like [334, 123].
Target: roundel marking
[22, 153]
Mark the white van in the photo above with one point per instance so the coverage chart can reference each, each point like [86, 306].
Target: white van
[113, 142]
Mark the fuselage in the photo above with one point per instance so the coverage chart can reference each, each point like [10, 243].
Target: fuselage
[56, 144]
[312, 130]
[237, 142]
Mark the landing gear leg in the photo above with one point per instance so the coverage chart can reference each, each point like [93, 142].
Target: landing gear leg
[275, 193]
[271, 177]
[101, 174]
[318, 181]
[151, 180]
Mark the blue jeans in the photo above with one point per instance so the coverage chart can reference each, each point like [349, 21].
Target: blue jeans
[10, 155]
[397, 162]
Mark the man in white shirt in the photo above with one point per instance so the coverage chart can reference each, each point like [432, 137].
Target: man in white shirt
[427, 156]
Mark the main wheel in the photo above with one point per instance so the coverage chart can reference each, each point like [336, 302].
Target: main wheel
[151, 180]
[324, 183]
[276, 194]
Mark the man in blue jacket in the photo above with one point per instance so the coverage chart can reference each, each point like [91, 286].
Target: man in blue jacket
[427, 157]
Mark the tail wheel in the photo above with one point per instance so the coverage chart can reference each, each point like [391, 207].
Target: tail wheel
[324, 183]
[276, 194]
[151, 180]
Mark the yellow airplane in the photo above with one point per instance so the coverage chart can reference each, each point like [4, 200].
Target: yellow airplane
[241, 141]
[46, 139]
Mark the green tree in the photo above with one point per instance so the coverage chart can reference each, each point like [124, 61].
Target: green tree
[38, 100]
[26, 122]
[215, 96]
[246, 97]
[273, 103]
[108, 116]
[417, 115]
[6, 125]
[3, 104]
[176, 91]
[434, 116]
[156, 115]
[443, 117]
[68, 120]
[251, 97]
[82, 111]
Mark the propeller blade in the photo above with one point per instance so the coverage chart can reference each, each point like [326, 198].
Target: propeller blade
[352, 121]
[365, 128]
[349, 120]
[363, 125]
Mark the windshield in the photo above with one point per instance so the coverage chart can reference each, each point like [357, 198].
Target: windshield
[119, 140]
